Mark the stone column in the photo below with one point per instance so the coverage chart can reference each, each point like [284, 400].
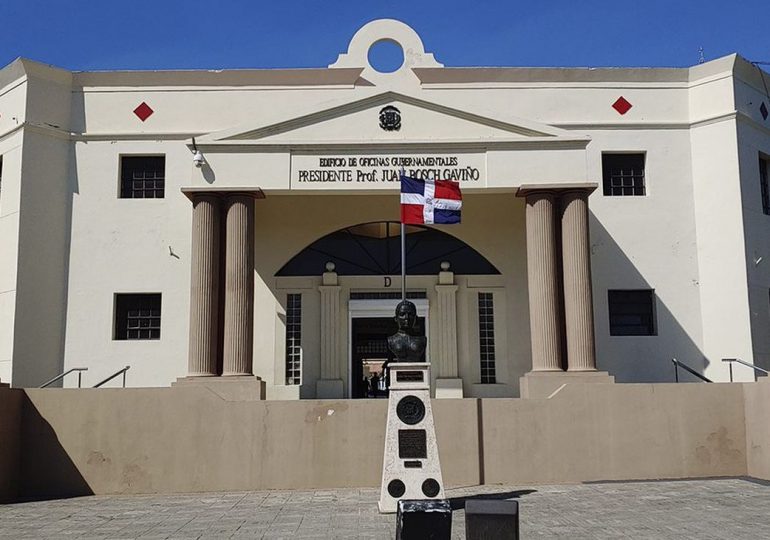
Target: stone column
[578, 305]
[542, 277]
[204, 286]
[448, 383]
[239, 285]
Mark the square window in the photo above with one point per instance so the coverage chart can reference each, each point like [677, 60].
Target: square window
[632, 312]
[142, 177]
[623, 174]
[137, 316]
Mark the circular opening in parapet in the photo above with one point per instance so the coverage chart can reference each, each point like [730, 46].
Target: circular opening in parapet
[386, 56]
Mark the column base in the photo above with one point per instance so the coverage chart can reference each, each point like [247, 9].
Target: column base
[329, 389]
[449, 388]
[541, 384]
[232, 388]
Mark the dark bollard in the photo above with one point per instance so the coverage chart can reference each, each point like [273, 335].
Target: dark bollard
[424, 520]
[491, 520]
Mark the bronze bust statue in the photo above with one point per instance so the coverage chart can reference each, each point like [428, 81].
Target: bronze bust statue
[406, 346]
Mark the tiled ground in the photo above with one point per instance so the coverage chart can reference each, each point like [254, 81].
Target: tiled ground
[702, 509]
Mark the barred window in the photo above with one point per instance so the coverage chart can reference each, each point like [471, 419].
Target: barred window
[623, 174]
[142, 177]
[487, 338]
[764, 182]
[293, 339]
[632, 312]
[137, 316]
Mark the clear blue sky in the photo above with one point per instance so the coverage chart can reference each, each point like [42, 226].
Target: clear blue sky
[170, 34]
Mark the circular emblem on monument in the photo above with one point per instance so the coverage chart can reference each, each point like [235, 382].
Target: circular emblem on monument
[430, 488]
[410, 410]
[390, 118]
[396, 488]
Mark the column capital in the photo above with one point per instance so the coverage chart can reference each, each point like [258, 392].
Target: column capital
[193, 193]
[330, 278]
[582, 192]
[329, 288]
[447, 288]
[526, 190]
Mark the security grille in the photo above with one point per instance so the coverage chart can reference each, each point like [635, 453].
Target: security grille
[764, 182]
[623, 174]
[137, 316]
[487, 338]
[142, 177]
[632, 312]
[293, 339]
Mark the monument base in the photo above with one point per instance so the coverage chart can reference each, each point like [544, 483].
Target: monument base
[410, 465]
[449, 388]
[541, 384]
[230, 388]
[329, 389]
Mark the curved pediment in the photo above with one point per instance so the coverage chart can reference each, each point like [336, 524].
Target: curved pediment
[411, 119]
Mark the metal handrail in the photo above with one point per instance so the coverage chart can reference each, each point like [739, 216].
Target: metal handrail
[752, 366]
[108, 379]
[62, 375]
[678, 364]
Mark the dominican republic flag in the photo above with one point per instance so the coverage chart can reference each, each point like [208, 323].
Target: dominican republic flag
[430, 201]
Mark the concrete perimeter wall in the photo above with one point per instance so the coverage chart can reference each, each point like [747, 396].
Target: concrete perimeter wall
[187, 439]
[757, 399]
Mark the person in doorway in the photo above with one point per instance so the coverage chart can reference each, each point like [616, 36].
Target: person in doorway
[375, 384]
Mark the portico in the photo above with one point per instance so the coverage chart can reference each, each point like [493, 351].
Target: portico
[352, 150]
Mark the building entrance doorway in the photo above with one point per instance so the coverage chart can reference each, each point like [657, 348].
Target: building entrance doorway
[370, 354]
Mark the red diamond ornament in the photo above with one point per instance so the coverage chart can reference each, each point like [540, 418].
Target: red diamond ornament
[622, 105]
[143, 111]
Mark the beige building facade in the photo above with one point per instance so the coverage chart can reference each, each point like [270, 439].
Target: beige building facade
[221, 226]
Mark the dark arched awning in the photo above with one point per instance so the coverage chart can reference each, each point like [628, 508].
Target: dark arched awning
[374, 249]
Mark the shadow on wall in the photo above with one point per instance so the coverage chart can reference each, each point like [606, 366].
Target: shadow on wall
[636, 358]
[47, 472]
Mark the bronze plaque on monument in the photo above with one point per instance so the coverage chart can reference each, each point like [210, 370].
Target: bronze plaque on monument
[412, 444]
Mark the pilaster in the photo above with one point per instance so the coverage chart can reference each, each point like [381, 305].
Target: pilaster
[444, 356]
[330, 385]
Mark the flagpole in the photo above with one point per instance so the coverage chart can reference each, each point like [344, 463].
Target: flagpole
[403, 262]
[403, 252]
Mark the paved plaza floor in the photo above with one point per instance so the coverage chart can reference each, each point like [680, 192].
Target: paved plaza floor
[702, 509]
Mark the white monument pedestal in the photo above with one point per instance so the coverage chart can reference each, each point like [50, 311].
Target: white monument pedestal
[410, 467]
